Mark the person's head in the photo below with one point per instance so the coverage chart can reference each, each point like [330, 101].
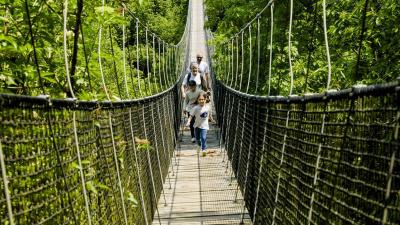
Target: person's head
[199, 57]
[192, 85]
[202, 98]
[194, 67]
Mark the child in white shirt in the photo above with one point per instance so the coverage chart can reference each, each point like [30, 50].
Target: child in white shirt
[201, 113]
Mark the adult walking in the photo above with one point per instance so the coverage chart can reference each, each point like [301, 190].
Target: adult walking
[196, 77]
[203, 69]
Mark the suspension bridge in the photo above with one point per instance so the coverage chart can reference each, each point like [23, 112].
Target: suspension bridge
[328, 158]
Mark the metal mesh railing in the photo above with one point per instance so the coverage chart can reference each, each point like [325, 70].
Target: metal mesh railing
[72, 162]
[329, 158]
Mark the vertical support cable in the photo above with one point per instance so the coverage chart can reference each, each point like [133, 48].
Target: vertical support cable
[228, 58]
[137, 169]
[137, 58]
[328, 56]
[391, 166]
[154, 60]
[78, 153]
[159, 63]
[163, 63]
[270, 50]
[121, 191]
[237, 61]
[157, 151]
[170, 111]
[150, 165]
[147, 64]
[242, 65]
[240, 152]
[247, 165]
[280, 165]
[317, 162]
[234, 141]
[290, 48]
[5, 183]
[240, 148]
[251, 55]
[258, 54]
[65, 20]
[260, 168]
[99, 54]
[123, 53]
[232, 47]
[163, 141]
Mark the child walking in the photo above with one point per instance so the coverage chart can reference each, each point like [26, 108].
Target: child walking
[201, 113]
[190, 102]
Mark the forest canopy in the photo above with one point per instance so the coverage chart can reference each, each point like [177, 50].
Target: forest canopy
[32, 54]
[363, 41]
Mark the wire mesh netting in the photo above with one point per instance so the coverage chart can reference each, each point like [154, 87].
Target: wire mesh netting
[66, 162]
[320, 159]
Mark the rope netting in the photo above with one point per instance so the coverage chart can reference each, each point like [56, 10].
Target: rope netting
[329, 158]
[67, 162]
[70, 161]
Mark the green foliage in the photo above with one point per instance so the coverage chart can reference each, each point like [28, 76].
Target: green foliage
[18, 70]
[358, 56]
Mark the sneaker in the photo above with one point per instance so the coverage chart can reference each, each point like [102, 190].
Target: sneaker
[193, 140]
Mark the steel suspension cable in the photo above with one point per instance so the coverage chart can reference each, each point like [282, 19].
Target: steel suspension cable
[247, 168]
[237, 61]
[5, 186]
[83, 182]
[228, 60]
[290, 48]
[159, 64]
[65, 31]
[328, 56]
[242, 64]
[154, 60]
[147, 64]
[232, 56]
[251, 55]
[150, 165]
[123, 53]
[270, 50]
[137, 58]
[260, 168]
[240, 151]
[137, 168]
[157, 151]
[258, 54]
[117, 167]
[99, 58]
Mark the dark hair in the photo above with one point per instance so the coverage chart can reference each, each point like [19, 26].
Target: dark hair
[206, 96]
[192, 83]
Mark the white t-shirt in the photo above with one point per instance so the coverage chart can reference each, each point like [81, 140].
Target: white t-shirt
[190, 100]
[196, 78]
[203, 68]
[201, 113]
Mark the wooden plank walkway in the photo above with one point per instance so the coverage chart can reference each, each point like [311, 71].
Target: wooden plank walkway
[201, 191]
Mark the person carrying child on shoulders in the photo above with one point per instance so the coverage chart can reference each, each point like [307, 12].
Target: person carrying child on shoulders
[190, 102]
[201, 113]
